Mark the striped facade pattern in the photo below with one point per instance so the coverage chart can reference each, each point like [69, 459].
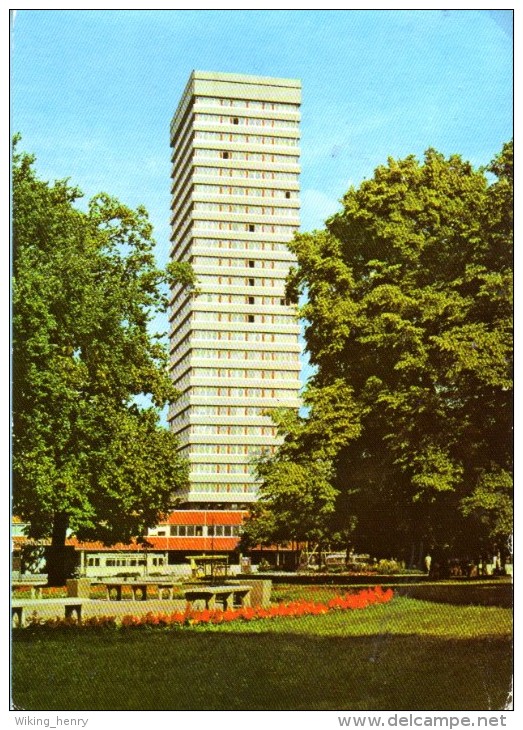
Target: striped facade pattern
[234, 344]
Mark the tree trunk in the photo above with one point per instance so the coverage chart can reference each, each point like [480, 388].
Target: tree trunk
[348, 548]
[57, 572]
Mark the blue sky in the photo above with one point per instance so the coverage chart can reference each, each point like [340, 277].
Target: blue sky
[93, 91]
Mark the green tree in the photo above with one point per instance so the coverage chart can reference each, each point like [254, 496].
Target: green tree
[89, 379]
[297, 497]
[409, 308]
[296, 503]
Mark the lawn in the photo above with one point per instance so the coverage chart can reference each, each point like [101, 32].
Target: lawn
[483, 592]
[404, 655]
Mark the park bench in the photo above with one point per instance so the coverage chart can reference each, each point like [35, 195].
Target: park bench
[20, 608]
[229, 596]
[139, 589]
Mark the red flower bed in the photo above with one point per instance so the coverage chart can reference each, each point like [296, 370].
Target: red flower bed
[350, 601]
[22, 591]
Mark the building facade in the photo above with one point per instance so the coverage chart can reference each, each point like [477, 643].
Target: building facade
[234, 342]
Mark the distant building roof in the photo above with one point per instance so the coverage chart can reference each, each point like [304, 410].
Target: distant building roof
[203, 517]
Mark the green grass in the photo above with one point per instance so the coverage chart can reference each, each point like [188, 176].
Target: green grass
[482, 593]
[405, 655]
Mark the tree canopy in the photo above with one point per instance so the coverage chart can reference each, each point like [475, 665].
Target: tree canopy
[408, 324]
[89, 378]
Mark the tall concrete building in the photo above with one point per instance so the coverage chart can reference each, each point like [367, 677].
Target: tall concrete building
[234, 344]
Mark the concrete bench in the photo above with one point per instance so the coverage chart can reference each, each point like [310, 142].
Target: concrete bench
[228, 596]
[72, 608]
[139, 589]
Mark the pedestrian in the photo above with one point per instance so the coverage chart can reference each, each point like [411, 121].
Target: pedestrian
[428, 562]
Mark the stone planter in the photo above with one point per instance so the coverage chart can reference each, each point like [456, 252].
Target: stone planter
[260, 591]
[78, 587]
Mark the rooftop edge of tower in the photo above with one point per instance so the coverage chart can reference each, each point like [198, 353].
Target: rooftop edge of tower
[236, 86]
[245, 79]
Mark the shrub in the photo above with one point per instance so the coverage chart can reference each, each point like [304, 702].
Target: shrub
[389, 567]
[263, 566]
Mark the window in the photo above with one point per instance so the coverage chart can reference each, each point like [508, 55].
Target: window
[251, 227]
[250, 300]
[235, 120]
[250, 318]
[287, 194]
[251, 282]
[225, 155]
[251, 264]
[223, 530]
[186, 530]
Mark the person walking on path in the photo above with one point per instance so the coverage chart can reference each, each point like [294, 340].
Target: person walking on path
[428, 563]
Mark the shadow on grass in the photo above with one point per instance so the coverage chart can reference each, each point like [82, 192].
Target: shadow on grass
[477, 594]
[198, 670]
[498, 593]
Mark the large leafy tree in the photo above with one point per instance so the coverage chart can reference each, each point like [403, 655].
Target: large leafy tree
[296, 502]
[89, 379]
[297, 499]
[409, 321]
